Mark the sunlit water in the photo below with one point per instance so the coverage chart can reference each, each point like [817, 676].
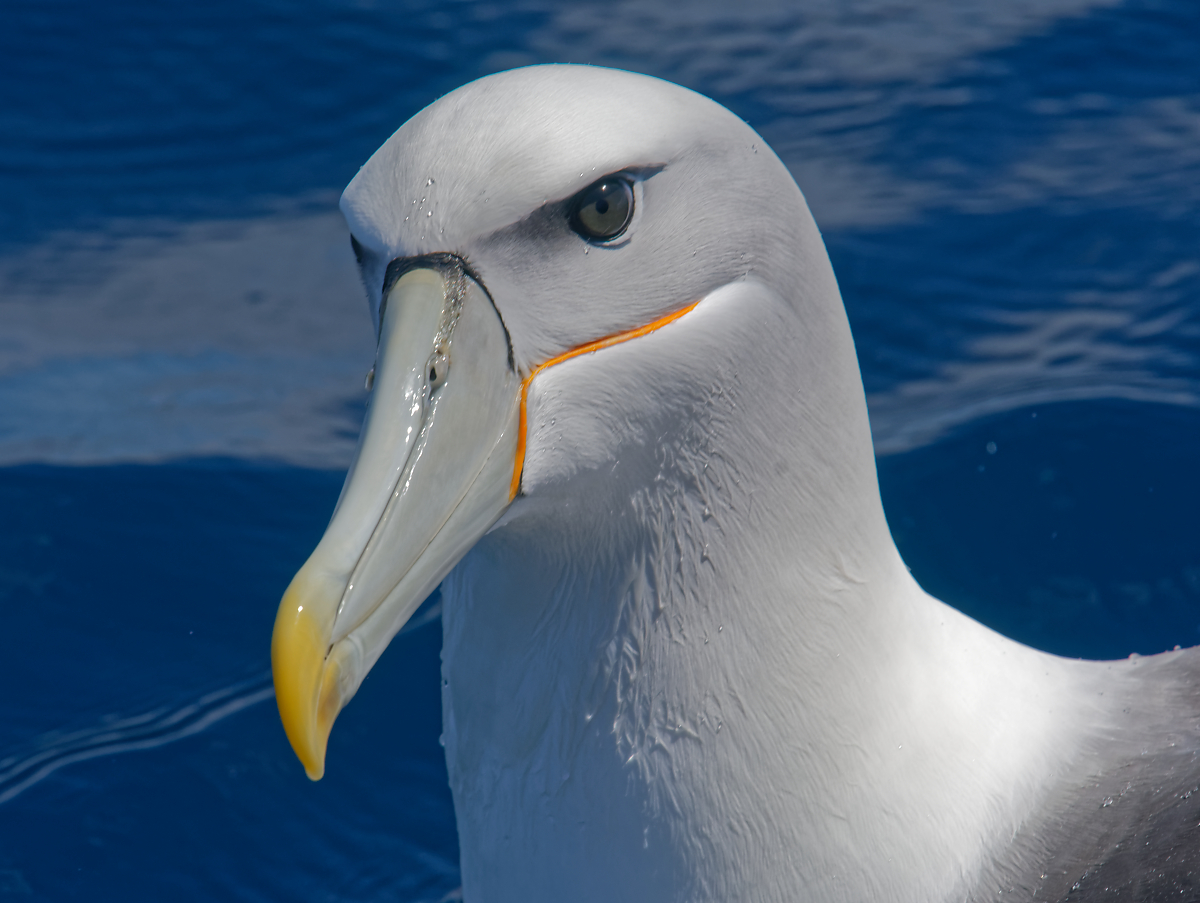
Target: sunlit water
[1010, 194]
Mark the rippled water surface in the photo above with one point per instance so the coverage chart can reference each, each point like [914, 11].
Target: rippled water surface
[1010, 194]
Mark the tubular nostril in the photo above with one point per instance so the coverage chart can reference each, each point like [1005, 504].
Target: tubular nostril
[438, 368]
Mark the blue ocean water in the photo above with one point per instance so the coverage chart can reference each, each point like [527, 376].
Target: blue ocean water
[1010, 195]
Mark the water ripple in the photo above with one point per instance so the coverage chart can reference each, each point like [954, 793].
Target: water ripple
[150, 730]
[146, 731]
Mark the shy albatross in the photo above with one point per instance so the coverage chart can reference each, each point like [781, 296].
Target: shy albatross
[617, 409]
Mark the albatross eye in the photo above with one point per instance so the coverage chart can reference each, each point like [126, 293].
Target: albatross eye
[603, 210]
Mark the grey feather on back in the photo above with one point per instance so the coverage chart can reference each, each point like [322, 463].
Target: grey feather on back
[1125, 823]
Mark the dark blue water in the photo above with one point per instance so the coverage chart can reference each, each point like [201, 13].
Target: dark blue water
[1010, 197]
[146, 591]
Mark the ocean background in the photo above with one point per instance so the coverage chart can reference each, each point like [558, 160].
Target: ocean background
[1010, 194]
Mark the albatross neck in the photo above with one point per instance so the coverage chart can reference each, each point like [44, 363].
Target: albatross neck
[708, 674]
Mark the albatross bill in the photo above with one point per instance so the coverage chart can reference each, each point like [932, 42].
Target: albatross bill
[617, 410]
[431, 475]
[318, 654]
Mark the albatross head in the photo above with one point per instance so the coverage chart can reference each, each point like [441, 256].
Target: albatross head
[614, 372]
[514, 226]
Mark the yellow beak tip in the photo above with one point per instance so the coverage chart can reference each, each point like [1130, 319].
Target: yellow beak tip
[298, 651]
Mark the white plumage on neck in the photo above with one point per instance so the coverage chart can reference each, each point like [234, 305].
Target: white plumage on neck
[694, 663]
